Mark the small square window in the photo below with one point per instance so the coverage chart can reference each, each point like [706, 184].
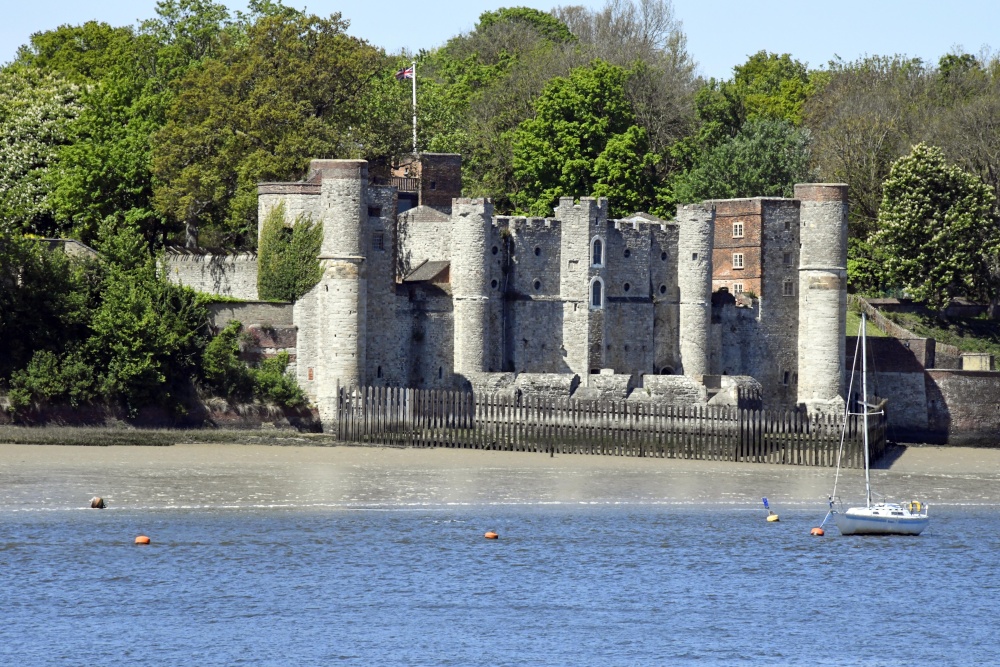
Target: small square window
[374, 211]
[737, 260]
[378, 241]
[737, 230]
[787, 259]
[737, 288]
[788, 288]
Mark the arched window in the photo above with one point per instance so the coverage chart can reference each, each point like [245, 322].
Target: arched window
[597, 251]
[597, 293]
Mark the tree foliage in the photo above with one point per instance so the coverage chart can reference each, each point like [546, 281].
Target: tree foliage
[766, 158]
[287, 258]
[36, 110]
[231, 378]
[583, 140]
[936, 237]
[293, 87]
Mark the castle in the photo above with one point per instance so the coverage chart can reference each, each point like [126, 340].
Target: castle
[449, 295]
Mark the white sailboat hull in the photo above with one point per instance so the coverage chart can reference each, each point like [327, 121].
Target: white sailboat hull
[880, 520]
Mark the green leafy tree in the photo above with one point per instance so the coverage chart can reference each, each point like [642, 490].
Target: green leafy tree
[147, 333]
[287, 258]
[936, 235]
[765, 159]
[105, 171]
[292, 88]
[231, 378]
[224, 372]
[45, 300]
[82, 54]
[36, 110]
[564, 150]
[544, 24]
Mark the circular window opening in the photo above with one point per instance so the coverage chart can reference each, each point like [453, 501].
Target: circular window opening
[663, 256]
[538, 251]
[495, 250]
[626, 287]
[628, 252]
[538, 284]
[494, 283]
[663, 288]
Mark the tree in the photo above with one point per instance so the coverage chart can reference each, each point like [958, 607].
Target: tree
[105, 171]
[45, 300]
[81, 54]
[147, 333]
[936, 235]
[574, 144]
[287, 259]
[36, 110]
[293, 88]
[765, 159]
[863, 119]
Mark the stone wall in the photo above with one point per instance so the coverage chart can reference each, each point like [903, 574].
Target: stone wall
[963, 407]
[422, 234]
[264, 313]
[226, 274]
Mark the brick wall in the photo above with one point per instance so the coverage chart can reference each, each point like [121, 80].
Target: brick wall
[440, 179]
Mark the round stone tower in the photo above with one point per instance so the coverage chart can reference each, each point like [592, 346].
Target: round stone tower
[470, 224]
[341, 308]
[696, 236]
[822, 295]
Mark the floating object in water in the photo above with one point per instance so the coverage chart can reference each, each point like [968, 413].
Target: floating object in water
[771, 516]
[818, 532]
[97, 503]
[142, 539]
[491, 536]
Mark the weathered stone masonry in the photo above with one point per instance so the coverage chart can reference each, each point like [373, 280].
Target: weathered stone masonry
[440, 297]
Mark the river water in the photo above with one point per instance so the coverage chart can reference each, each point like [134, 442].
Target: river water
[619, 576]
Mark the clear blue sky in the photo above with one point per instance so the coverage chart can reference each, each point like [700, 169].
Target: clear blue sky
[721, 33]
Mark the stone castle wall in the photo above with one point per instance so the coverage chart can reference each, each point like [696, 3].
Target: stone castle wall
[226, 274]
[612, 303]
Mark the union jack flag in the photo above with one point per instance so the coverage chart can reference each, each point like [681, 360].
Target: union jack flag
[405, 73]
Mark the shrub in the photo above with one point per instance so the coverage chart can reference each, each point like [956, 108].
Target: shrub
[287, 259]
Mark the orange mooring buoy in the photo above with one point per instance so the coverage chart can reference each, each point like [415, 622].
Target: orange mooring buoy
[818, 532]
[142, 539]
[491, 536]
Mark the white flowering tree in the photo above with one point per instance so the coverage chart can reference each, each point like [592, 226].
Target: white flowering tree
[36, 110]
[936, 235]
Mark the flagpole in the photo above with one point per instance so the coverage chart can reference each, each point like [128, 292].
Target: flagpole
[414, 66]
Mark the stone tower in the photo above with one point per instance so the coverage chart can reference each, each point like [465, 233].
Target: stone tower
[694, 279]
[341, 293]
[471, 220]
[582, 223]
[822, 295]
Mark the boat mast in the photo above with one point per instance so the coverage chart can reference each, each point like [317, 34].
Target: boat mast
[864, 405]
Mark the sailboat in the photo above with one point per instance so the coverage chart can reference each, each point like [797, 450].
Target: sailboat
[875, 518]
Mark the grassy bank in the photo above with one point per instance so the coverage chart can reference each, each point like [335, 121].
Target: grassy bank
[106, 437]
[969, 334]
[854, 321]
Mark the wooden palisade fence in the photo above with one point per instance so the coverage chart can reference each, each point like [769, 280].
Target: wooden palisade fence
[430, 418]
